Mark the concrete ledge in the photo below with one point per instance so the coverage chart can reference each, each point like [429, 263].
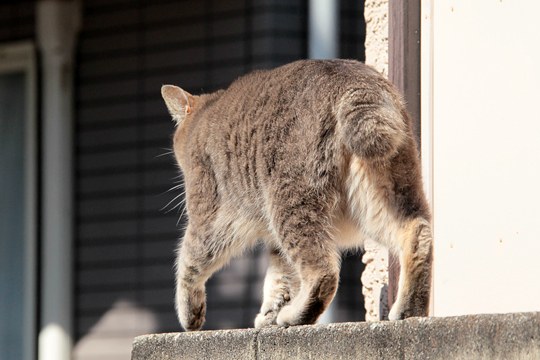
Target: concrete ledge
[504, 336]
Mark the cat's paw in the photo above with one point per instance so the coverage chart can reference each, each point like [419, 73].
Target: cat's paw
[195, 319]
[401, 312]
[191, 310]
[265, 319]
[268, 314]
[289, 316]
[396, 313]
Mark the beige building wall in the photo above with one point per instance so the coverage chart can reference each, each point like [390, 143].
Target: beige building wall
[481, 152]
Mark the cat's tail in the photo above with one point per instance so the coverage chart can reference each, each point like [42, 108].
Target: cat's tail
[372, 122]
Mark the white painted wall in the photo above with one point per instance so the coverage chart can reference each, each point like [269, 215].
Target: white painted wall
[481, 122]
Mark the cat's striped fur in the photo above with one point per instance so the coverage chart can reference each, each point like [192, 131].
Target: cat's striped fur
[312, 158]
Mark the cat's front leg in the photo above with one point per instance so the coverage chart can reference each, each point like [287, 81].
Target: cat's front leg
[197, 260]
[416, 254]
[190, 300]
[280, 285]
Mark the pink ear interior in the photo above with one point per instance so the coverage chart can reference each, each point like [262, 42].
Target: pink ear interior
[177, 100]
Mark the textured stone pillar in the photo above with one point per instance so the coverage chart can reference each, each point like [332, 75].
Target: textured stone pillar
[375, 281]
[376, 15]
[375, 276]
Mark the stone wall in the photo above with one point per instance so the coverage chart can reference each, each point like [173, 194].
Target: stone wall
[494, 337]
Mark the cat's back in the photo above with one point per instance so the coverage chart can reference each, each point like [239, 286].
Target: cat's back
[292, 103]
[303, 75]
[298, 91]
[258, 125]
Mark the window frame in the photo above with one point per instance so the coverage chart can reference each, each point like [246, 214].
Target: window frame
[16, 58]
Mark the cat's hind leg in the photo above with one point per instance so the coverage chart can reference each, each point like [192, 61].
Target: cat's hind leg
[318, 285]
[280, 285]
[198, 258]
[415, 255]
[305, 232]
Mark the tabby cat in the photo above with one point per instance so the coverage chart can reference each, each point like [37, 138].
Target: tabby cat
[311, 158]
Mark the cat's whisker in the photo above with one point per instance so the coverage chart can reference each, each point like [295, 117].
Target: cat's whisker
[180, 203]
[170, 202]
[164, 154]
[181, 216]
[168, 151]
[177, 206]
[176, 187]
[179, 219]
[171, 209]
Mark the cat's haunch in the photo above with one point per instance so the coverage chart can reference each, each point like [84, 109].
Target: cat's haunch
[311, 158]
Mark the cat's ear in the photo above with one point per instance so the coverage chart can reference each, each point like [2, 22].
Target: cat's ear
[178, 101]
